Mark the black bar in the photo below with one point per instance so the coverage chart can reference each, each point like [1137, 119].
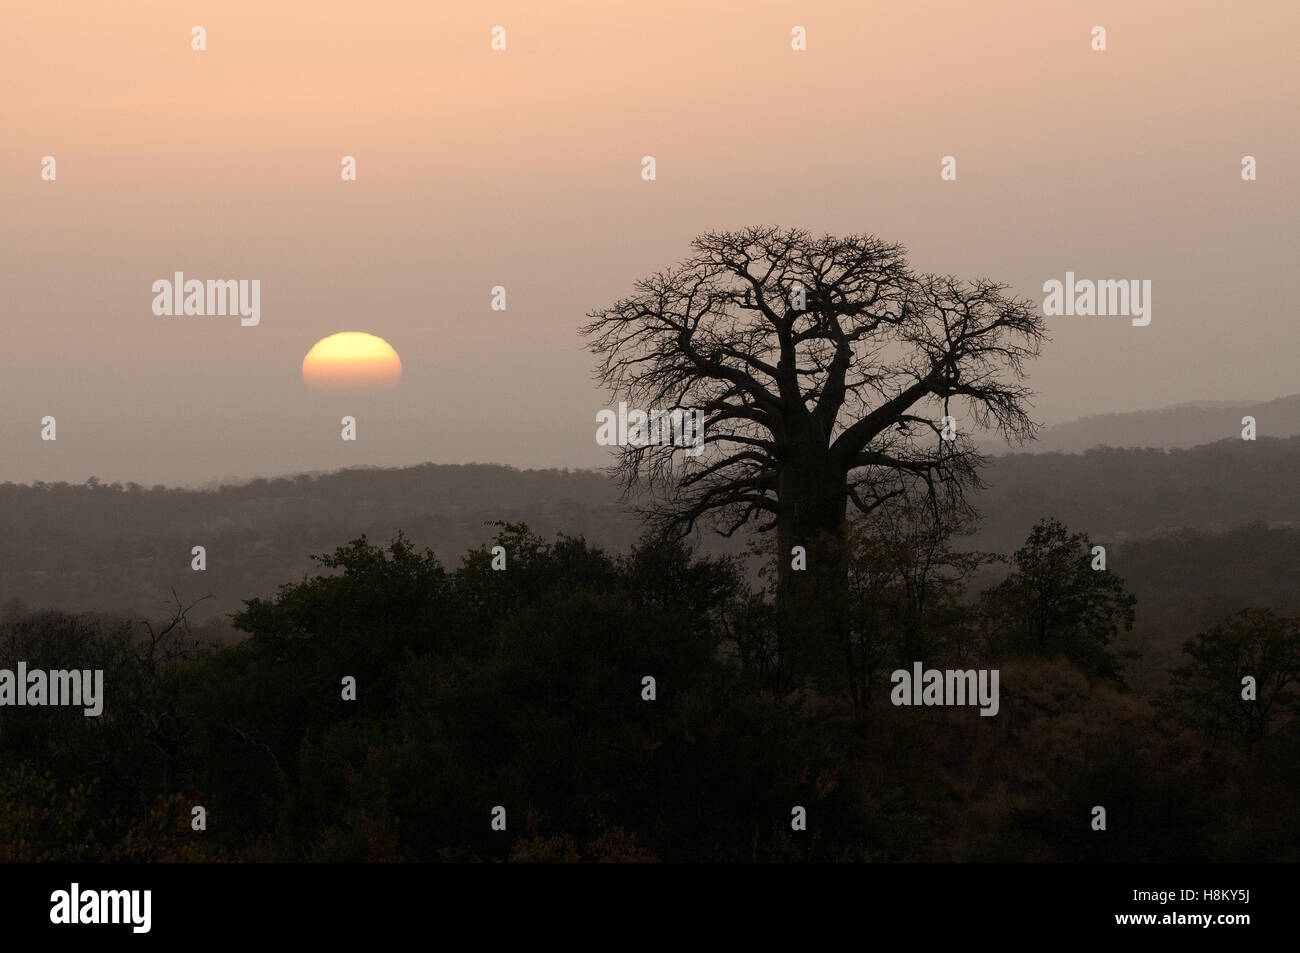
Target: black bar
[473, 903]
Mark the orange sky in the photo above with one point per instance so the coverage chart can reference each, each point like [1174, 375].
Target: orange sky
[521, 169]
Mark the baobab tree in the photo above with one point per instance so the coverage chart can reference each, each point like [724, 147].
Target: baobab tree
[825, 369]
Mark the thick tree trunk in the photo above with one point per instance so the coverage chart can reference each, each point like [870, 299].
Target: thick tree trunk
[812, 602]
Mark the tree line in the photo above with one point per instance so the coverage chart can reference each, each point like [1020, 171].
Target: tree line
[524, 688]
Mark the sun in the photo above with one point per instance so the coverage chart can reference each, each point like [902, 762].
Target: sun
[352, 361]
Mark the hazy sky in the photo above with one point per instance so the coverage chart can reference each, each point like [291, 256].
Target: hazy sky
[522, 168]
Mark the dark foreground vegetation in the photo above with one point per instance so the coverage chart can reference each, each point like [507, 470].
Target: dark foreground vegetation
[525, 688]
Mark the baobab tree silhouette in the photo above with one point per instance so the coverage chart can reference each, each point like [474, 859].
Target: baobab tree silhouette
[824, 367]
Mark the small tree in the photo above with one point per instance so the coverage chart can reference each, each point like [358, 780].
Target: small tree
[906, 582]
[1206, 694]
[1055, 602]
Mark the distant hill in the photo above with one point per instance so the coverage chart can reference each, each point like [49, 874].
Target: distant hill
[1186, 580]
[98, 546]
[1121, 494]
[112, 548]
[1183, 425]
